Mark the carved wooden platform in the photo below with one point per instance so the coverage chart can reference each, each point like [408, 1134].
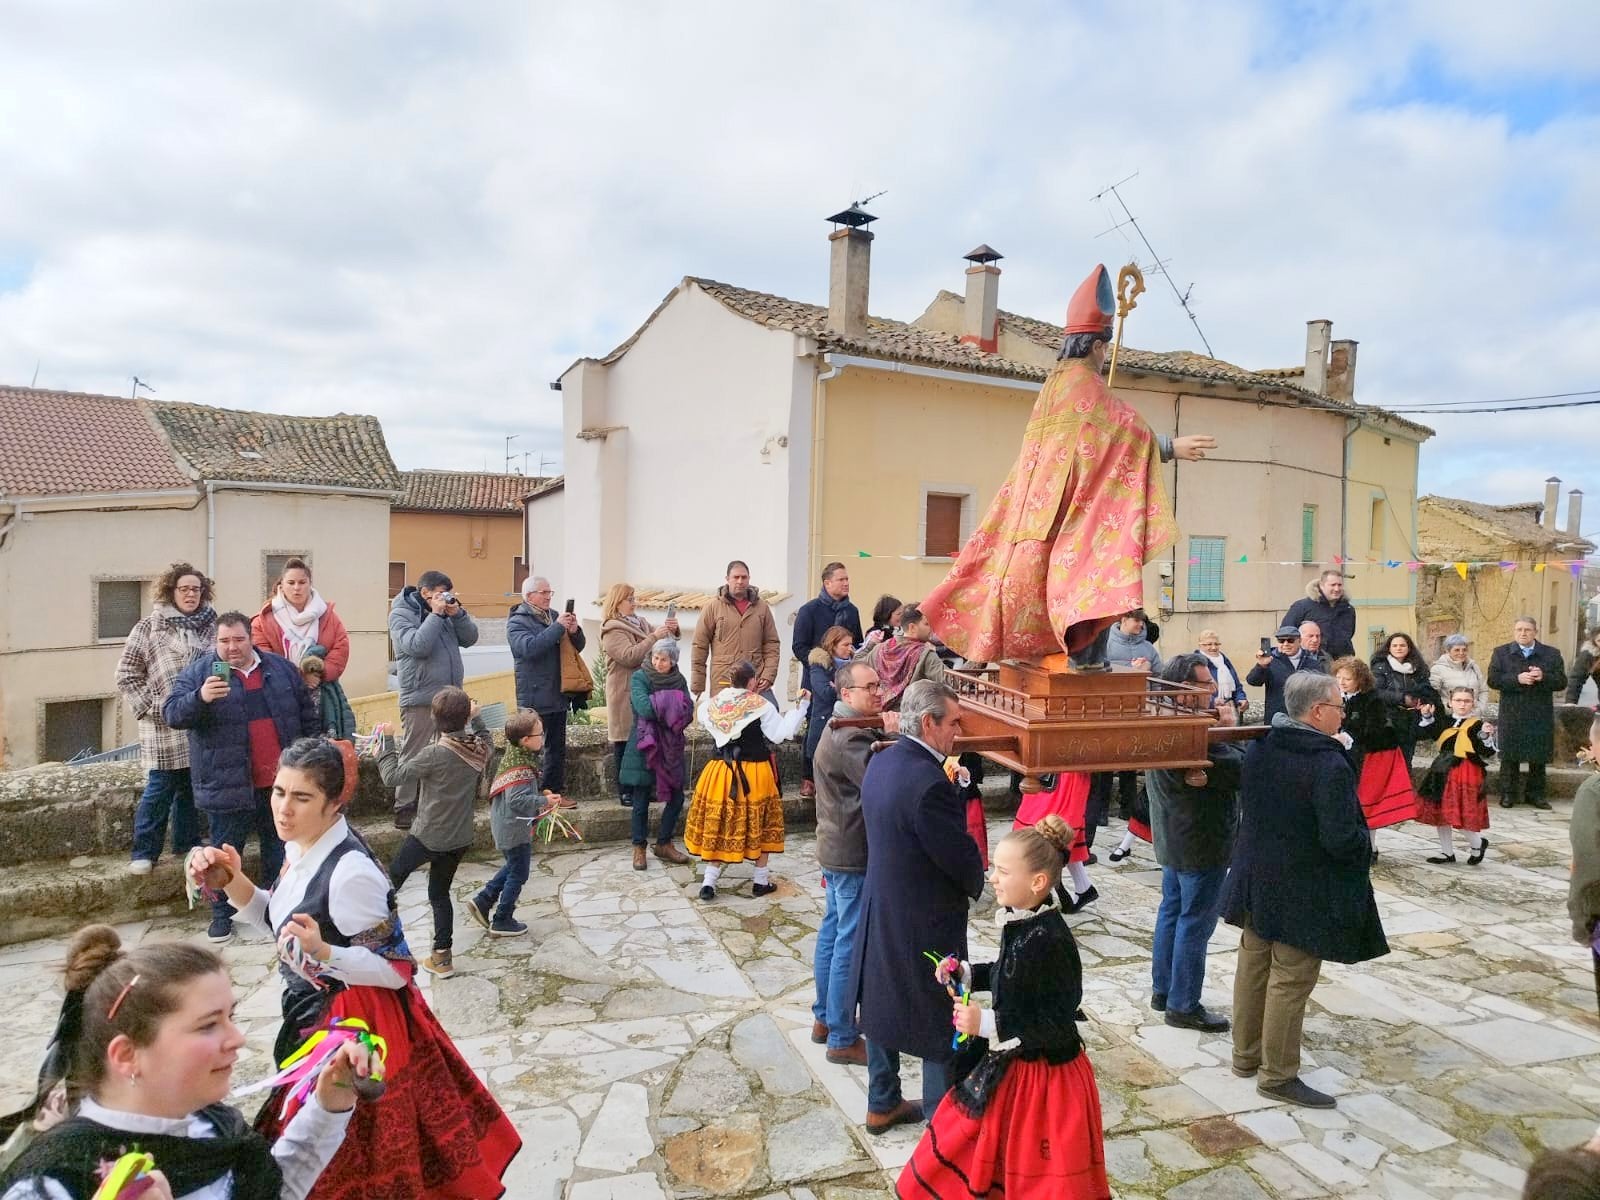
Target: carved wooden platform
[1039, 722]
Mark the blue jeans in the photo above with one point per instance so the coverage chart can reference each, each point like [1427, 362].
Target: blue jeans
[234, 829]
[1184, 923]
[165, 791]
[640, 815]
[834, 1006]
[883, 1081]
[506, 886]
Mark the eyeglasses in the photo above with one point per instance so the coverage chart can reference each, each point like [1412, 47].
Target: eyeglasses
[191, 589]
[1287, 641]
[865, 687]
[1328, 704]
[550, 592]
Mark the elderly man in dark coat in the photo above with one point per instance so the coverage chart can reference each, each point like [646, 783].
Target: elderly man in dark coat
[1299, 887]
[922, 868]
[1528, 675]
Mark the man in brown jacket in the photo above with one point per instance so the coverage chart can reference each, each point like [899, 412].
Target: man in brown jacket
[737, 625]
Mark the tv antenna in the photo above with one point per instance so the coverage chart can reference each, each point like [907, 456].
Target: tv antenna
[137, 384]
[510, 437]
[1160, 264]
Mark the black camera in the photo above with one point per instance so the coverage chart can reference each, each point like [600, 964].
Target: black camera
[450, 598]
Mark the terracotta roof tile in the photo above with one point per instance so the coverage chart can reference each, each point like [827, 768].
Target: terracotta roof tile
[337, 451]
[1512, 522]
[687, 599]
[57, 443]
[474, 492]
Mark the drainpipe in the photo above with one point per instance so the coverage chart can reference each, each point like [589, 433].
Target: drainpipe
[211, 530]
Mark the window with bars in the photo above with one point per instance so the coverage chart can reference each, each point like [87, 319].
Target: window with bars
[1205, 568]
[119, 603]
[1308, 533]
[73, 728]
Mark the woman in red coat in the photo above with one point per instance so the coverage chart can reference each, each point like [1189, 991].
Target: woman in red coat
[295, 621]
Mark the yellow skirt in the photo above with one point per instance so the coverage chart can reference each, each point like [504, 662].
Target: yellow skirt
[722, 827]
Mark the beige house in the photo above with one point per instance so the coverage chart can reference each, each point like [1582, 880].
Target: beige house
[98, 494]
[790, 434]
[467, 524]
[1517, 564]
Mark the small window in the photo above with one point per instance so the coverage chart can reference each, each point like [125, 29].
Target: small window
[942, 529]
[1553, 629]
[397, 579]
[1375, 529]
[118, 607]
[519, 573]
[1205, 568]
[1308, 534]
[72, 729]
[274, 568]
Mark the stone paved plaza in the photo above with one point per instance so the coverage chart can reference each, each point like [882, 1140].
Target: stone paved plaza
[651, 1046]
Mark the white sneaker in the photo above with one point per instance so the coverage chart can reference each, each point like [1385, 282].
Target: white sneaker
[140, 866]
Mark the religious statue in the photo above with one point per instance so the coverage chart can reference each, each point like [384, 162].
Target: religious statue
[1061, 552]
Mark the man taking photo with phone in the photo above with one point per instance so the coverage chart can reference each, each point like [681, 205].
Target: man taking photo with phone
[538, 635]
[428, 628]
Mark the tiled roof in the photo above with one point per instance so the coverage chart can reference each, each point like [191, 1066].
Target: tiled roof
[472, 492]
[687, 599]
[58, 443]
[338, 451]
[1511, 522]
[554, 484]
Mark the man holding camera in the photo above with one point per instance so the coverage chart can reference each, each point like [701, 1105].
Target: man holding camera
[242, 709]
[428, 628]
[540, 639]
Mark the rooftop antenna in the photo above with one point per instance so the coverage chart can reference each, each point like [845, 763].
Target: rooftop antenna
[137, 384]
[1160, 263]
[35, 382]
[510, 437]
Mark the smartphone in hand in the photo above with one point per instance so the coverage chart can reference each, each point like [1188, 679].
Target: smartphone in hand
[1266, 645]
[571, 604]
[220, 670]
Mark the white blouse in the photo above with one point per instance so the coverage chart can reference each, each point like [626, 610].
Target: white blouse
[358, 899]
[304, 1149]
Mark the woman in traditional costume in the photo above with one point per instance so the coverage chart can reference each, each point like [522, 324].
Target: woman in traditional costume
[736, 814]
[1383, 779]
[1022, 1119]
[1452, 796]
[437, 1132]
[1403, 682]
[148, 1042]
[1067, 798]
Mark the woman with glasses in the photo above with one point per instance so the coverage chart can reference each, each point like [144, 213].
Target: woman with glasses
[1230, 684]
[1383, 777]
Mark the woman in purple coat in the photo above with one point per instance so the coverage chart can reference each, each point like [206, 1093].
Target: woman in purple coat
[653, 762]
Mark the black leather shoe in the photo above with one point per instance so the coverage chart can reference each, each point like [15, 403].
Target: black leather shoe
[1477, 855]
[1297, 1091]
[1541, 804]
[1083, 901]
[1205, 1022]
[1440, 858]
[1158, 1002]
[1504, 803]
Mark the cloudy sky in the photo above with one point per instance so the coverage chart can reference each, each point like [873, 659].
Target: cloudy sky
[426, 211]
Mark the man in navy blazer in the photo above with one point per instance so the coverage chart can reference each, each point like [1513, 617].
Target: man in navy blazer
[922, 869]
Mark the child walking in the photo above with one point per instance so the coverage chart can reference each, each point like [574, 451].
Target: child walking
[1022, 1120]
[1452, 796]
[446, 774]
[515, 803]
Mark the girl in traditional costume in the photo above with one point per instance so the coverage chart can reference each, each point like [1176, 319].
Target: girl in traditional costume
[437, 1132]
[149, 1044]
[1452, 791]
[1383, 777]
[1067, 798]
[1022, 1119]
[736, 814]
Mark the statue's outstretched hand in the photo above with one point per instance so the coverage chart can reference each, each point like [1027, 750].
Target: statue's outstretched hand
[1193, 446]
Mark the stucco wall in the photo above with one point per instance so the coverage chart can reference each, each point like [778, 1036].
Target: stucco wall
[545, 532]
[478, 553]
[48, 651]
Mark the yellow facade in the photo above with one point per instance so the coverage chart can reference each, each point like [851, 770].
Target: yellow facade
[1381, 527]
[479, 553]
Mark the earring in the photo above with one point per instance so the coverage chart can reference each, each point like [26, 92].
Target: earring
[134, 1078]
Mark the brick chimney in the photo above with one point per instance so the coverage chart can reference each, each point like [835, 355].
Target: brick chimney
[1342, 371]
[1317, 335]
[1575, 513]
[849, 267]
[980, 324]
[1552, 497]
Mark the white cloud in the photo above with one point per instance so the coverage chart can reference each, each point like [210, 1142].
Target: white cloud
[426, 212]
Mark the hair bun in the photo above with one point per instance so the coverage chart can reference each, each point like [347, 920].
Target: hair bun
[93, 949]
[1057, 832]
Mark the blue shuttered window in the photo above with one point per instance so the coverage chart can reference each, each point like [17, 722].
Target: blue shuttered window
[1205, 568]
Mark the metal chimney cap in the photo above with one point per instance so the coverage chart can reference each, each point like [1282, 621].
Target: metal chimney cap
[855, 216]
[983, 255]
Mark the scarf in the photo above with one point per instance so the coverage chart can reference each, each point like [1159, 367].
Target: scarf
[72, 1154]
[1405, 668]
[729, 711]
[471, 750]
[202, 618]
[667, 681]
[519, 767]
[659, 738]
[299, 628]
[898, 660]
[1463, 736]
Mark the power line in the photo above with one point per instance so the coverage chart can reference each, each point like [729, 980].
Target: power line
[1425, 405]
[1497, 408]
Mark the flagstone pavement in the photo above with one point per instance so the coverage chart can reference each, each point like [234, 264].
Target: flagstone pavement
[651, 1046]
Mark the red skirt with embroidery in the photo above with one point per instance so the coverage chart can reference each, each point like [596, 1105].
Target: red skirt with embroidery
[1463, 805]
[978, 828]
[1038, 1139]
[1067, 800]
[436, 1133]
[1387, 797]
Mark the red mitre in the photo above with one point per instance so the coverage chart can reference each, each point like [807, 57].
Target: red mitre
[1092, 305]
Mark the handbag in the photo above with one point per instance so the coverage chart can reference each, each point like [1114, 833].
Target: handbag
[576, 679]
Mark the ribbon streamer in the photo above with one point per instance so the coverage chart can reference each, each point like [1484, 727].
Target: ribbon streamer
[299, 1072]
[128, 1178]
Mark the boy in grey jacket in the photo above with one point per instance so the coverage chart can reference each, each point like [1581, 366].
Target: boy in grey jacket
[446, 775]
[515, 803]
